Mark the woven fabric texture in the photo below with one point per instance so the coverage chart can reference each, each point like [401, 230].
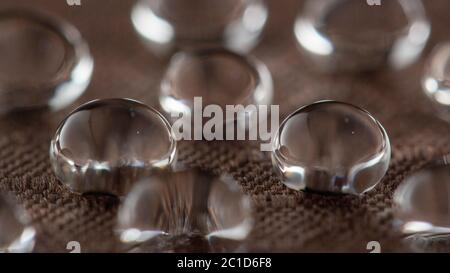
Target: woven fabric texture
[286, 220]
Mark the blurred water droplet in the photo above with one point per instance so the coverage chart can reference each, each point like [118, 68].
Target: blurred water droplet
[16, 235]
[171, 25]
[436, 80]
[352, 36]
[44, 62]
[190, 204]
[215, 78]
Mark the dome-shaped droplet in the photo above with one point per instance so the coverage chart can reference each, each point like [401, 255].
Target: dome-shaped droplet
[423, 200]
[422, 208]
[168, 25]
[44, 62]
[436, 80]
[107, 145]
[15, 233]
[351, 35]
[331, 147]
[189, 203]
[198, 79]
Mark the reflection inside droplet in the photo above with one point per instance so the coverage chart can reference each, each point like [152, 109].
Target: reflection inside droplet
[15, 233]
[332, 147]
[186, 204]
[106, 145]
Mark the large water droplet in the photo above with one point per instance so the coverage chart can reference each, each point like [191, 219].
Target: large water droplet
[44, 62]
[189, 204]
[350, 35]
[177, 24]
[331, 147]
[106, 145]
[15, 233]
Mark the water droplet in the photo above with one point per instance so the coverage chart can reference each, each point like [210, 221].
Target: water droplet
[218, 77]
[190, 204]
[350, 35]
[331, 147]
[422, 201]
[422, 207]
[106, 145]
[45, 62]
[436, 80]
[172, 25]
[15, 233]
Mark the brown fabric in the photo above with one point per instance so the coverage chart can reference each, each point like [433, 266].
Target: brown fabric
[286, 220]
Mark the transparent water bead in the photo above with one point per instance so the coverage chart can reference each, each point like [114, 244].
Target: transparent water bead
[44, 62]
[350, 35]
[169, 25]
[422, 202]
[189, 204]
[106, 145]
[16, 235]
[218, 77]
[436, 80]
[332, 147]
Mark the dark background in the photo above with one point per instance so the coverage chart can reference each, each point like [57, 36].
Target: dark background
[286, 220]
